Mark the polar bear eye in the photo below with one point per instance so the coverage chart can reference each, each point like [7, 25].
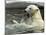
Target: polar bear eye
[29, 8]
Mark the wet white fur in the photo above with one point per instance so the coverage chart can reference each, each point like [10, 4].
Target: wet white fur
[37, 21]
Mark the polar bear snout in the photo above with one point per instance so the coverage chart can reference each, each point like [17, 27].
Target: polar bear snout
[28, 11]
[25, 11]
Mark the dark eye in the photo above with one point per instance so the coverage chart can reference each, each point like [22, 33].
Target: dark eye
[29, 8]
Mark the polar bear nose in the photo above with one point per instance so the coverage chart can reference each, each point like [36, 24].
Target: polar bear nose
[25, 11]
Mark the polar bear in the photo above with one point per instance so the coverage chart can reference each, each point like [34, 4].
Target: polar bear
[37, 22]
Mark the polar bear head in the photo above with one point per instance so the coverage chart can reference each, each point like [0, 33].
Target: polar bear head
[31, 9]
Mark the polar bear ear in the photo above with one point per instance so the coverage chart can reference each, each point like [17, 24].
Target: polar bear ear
[37, 9]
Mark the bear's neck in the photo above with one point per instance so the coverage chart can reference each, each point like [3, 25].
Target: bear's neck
[37, 16]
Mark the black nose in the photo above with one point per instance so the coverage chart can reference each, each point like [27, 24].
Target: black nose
[25, 11]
